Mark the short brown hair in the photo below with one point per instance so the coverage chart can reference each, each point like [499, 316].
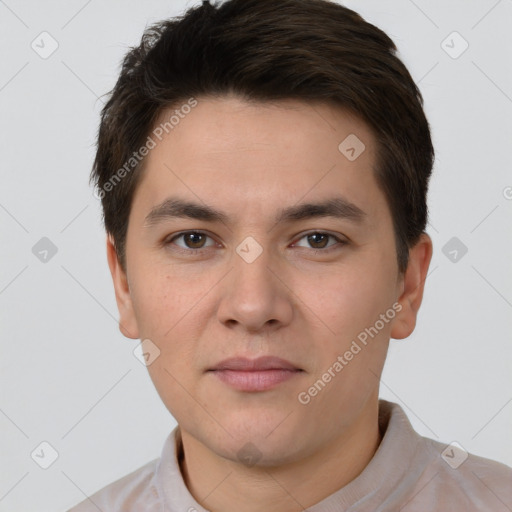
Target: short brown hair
[268, 50]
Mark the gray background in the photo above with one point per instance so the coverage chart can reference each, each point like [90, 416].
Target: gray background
[68, 377]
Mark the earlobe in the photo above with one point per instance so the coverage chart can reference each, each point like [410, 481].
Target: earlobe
[413, 284]
[127, 321]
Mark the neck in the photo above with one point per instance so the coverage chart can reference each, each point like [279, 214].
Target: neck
[219, 484]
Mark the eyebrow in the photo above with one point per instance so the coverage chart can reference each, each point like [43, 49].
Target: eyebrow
[174, 207]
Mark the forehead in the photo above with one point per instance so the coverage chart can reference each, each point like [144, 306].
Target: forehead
[251, 159]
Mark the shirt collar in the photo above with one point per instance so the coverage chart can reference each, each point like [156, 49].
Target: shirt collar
[376, 482]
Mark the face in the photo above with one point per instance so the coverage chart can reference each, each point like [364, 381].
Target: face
[252, 272]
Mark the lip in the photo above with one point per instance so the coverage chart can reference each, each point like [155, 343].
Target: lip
[260, 374]
[260, 363]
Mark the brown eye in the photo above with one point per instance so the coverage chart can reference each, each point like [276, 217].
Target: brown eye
[191, 241]
[194, 240]
[319, 240]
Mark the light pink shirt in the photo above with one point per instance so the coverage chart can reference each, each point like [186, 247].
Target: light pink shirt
[408, 473]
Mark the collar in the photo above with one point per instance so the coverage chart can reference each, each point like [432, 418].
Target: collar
[376, 483]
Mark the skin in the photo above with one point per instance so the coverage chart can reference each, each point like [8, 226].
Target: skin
[307, 306]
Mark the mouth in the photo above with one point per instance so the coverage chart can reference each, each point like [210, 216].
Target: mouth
[251, 375]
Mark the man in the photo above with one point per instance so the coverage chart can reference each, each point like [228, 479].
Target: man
[263, 168]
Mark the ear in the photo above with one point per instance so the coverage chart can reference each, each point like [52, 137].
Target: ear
[413, 283]
[127, 321]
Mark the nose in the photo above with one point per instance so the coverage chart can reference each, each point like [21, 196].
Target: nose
[254, 295]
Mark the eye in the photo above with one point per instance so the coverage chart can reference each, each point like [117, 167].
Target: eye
[319, 240]
[193, 240]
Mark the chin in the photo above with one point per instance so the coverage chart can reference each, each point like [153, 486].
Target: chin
[261, 441]
[263, 453]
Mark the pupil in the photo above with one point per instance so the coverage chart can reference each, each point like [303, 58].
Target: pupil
[314, 235]
[193, 238]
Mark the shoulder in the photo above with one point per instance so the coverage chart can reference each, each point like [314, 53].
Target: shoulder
[454, 477]
[134, 492]
[437, 476]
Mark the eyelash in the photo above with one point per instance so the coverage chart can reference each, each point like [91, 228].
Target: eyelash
[193, 252]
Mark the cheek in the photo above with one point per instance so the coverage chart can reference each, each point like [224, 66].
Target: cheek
[161, 301]
[351, 307]
[170, 312]
[349, 300]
